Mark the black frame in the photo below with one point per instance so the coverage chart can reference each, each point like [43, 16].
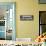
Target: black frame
[39, 23]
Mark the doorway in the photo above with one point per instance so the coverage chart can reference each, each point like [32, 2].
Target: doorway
[7, 21]
[42, 22]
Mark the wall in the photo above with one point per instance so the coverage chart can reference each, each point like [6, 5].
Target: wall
[28, 29]
[25, 28]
